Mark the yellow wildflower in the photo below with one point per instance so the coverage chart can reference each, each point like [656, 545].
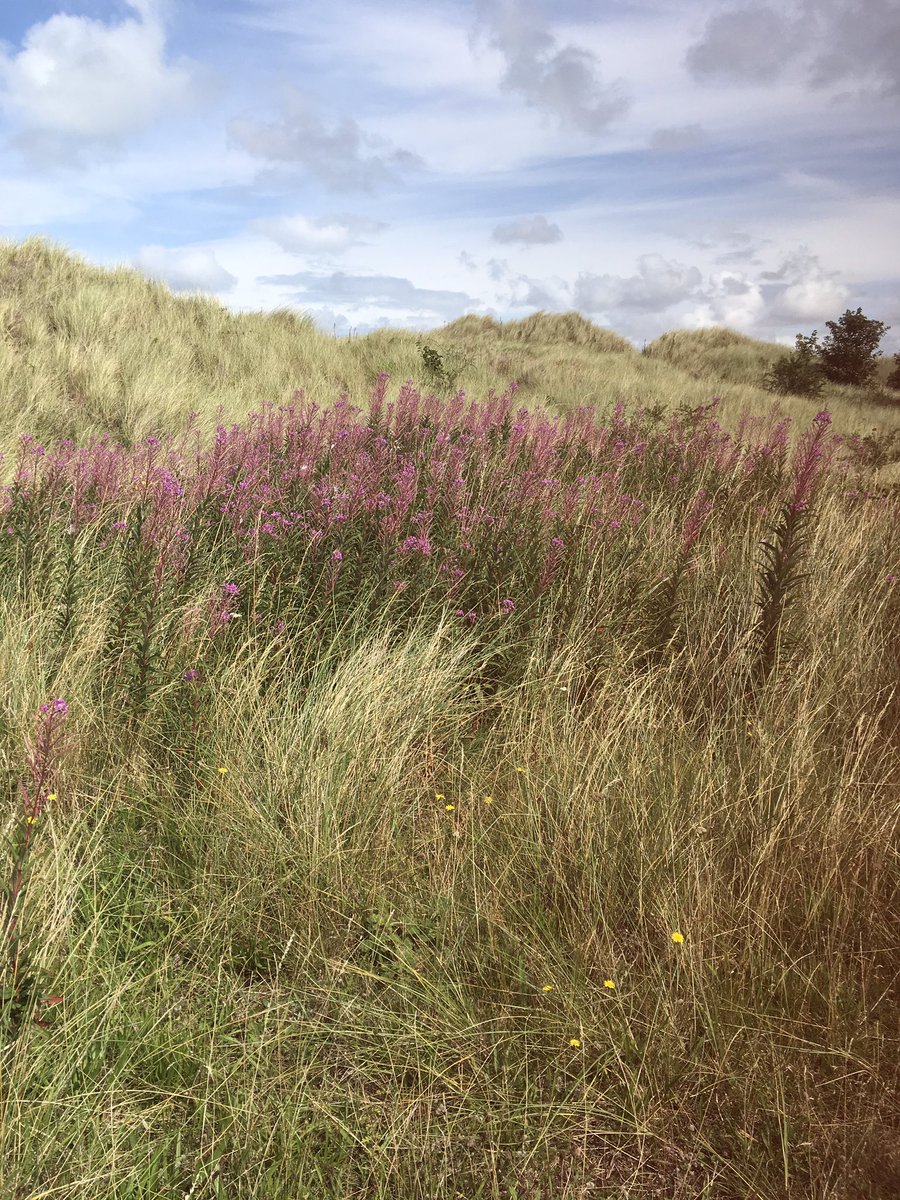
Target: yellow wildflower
[609, 983]
[439, 796]
[223, 770]
[449, 807]
[677, 938]
[489, 799]
[31, 820]
[574, 1042]
[52, 796]
[548, 987]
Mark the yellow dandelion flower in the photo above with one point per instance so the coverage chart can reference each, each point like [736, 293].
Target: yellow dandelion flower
[31, 820]
[574, 1043]
[223, 770]
[548, 987]
[609, 983]
[489, 799]
[52, 796]
[449, 807]
[677, 937]
[521, 770]
[439, 796]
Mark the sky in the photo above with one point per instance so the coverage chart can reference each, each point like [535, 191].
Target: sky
[652, 164]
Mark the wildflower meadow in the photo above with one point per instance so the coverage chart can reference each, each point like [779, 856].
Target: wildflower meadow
[436, 795]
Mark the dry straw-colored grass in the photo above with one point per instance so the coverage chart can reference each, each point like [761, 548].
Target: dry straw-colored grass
[291, 970]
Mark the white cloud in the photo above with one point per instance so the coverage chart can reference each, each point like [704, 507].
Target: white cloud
[338, 156]
[523, 291]
[658, 284]
[327, 235]
[528, 231]
[729, 299]
[827, 42]
[185, 269]
[800, 289]
[564, 83]
[753, 43]
[77, 80]
[385, 291]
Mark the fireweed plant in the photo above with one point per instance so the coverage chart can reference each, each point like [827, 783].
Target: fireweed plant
[465, 814]
[303, 515]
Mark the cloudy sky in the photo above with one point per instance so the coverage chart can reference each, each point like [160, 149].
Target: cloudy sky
[651, 163]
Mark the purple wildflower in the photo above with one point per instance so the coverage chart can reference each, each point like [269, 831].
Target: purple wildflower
[191, 675]
[508, 606]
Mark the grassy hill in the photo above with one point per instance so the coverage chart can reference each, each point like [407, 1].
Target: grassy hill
[412, 795]
[84, 350]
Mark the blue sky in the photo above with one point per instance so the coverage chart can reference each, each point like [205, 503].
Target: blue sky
[654, 165]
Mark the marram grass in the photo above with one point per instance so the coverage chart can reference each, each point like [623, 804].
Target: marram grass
[436, 800]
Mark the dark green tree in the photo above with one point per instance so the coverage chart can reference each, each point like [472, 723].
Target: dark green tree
[849, 352]
[893, 380]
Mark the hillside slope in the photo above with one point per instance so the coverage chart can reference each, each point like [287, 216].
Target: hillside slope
[85, 350]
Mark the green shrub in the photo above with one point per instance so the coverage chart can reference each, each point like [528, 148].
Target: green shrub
[799, 372]
[442, 369]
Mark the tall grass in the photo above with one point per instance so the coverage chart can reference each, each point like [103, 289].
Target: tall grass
[399, 742]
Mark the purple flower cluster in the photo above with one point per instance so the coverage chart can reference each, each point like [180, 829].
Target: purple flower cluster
[468, 499]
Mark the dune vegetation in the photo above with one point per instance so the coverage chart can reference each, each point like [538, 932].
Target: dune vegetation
[461, 764]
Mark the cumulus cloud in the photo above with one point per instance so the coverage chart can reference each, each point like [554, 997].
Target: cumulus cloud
[77, 82]
[829, 42]
[528, 231]
[343, 156]
[523, 291]
[729, 298]
[564, 83]
[800, 289]
[658, 285]
[185, 269]
[385, 291]
[325, 235]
